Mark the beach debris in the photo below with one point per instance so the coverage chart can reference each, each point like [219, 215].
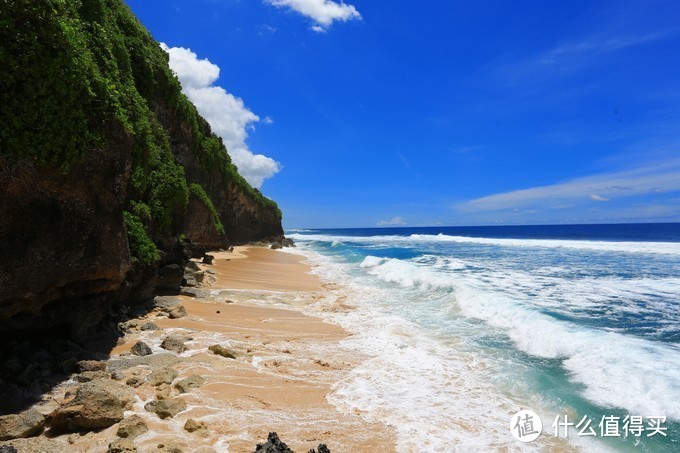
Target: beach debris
[167, 408]
[192, 382]
[122, 446]
[132, 427]
[273, 445]
[97, 404]
[223, 351]
[174, 343]
[26, 424]
[140, 348]
[162, 376]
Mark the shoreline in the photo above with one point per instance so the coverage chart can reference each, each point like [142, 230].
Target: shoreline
[285, 365]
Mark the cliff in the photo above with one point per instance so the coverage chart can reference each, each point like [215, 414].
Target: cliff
[109, 178]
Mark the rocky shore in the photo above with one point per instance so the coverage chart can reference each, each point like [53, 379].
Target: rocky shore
[217, 367]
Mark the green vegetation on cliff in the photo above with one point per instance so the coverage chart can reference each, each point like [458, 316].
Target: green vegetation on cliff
[70, 70]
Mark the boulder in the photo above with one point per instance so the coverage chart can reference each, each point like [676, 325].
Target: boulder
[223, 351]
[97, 404]
[132, 427]
[166, 302]
[177, 312]
[174, 343]
[87, 376]
[194, 426]
[166, 408]
[192, 382]
[91, 365]
[140, 348]
[149, 326]
[122, 446]
[162, 376]
[26, 424]
[208, 259]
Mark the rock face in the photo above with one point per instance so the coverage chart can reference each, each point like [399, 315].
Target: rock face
[99, 205]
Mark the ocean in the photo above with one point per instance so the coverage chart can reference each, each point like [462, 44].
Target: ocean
[465, 326]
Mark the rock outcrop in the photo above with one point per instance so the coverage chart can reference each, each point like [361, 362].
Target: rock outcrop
[110, 181]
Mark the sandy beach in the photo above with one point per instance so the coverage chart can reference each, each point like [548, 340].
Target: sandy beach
[284, 367]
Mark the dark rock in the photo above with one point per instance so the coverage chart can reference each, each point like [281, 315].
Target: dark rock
[170, 277]
[132, 427]
[167, 408]
[25, 424]
[273, 445]
[208, 259]
[8, 449]
[322, 448]
[140, 348]
[223, 351]
[195, 292]
[134, 381]
[192, 266]
[162, 376]
[166, 302]
[174, 343]
[192, 382]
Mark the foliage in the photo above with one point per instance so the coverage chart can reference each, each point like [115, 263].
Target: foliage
[198, 192]
[69, 69]
[142, 248]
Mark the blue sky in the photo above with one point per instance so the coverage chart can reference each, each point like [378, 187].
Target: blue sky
[441, 112]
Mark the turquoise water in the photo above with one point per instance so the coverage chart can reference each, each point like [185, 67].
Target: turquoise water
[469, 325]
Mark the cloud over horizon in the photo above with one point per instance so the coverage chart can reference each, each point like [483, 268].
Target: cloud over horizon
[323, 12]
[394, 221]
[656, 178]
[227, 115]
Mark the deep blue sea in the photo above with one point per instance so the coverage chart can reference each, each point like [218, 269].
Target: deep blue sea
[467, 325]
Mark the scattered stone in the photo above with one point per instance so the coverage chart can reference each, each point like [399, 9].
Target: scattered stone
[140, 348]
[322, 448]
[132, 427]
[87, 376]
[208, 259]
[149, 326]
[122, 446]
[91, 365]
[169, 447]
[223, 351]
[195, 292]
[159, 360]
[97, 404]
[194, 426]
[273, 445]
[118, 375]
[26, 424]
[192, 266]
[177, 312]
[162, 376]
[8, 449]
[166, 408]
[174, 343]
[192, 382]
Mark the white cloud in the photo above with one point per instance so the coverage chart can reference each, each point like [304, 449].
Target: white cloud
[664, 176]
[323, 12]
[227, 115]
[395, 221]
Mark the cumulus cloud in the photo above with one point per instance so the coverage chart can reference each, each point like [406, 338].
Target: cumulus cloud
[663, 176]
[394, 221]
[323, 12]
[227, 115]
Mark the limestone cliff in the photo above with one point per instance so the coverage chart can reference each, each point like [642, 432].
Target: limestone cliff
[107, 172]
